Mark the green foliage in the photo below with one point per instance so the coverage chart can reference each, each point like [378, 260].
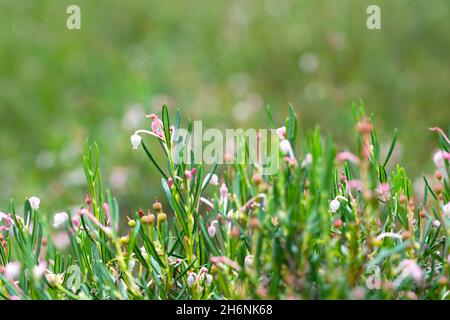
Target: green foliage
[316, 229]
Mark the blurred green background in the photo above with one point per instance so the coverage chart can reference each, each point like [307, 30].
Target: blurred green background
[218, 61]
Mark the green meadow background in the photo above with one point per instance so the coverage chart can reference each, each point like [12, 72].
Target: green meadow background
[218, 61]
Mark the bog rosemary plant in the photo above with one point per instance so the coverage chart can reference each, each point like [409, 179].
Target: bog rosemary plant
[327, 225]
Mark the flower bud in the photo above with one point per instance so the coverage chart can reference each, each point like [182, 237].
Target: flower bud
[248, 261]
[212, 231]
[136, 141]
[124, 240]
[235, 232]
[192, 277]
[281, 131]
[208, 280]
[447, 209]
[257, 179]
[148, 219]
[223, 191]
[34, 202]
[338, 223]
[334, 205]
[402, 199]
[157, 206]
[286, 148]
[162, 217]
[214, 180]
[131, 223]
[59, 219]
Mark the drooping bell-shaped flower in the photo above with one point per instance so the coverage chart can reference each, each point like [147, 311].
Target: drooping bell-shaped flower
[136, 141]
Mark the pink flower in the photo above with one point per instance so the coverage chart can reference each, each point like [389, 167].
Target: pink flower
[170, 182]
[7, 220]
[281, 131]
[384, 191]
[212, 231]
[61, 240]
[347, 156]
[354, 184]
[440, 157]
[107, 212]
[157, 125]
[187, 174]
[223, 191]
[286, 148]
[409, 268]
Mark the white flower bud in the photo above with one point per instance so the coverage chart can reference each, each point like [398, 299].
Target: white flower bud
[334, 205]
[59, 219]
[34, 202]
[135, 141]
[436, 223]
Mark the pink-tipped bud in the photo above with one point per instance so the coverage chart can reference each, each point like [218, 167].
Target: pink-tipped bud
[223, 191]
[192, 277]
[187, 174]
[170, 182]
[212, 231]
[281, 131]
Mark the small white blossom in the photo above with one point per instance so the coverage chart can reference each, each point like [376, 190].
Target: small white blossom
[34, 202]
[59, 219]
[439, 159]
[436, 223]
[286, 148]
[55, 279]
[38, 271]
[307, 162]
[214, 179]
[248, 261]
[447, 209]
[136, 141]
[334, 205]
[12, 269]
